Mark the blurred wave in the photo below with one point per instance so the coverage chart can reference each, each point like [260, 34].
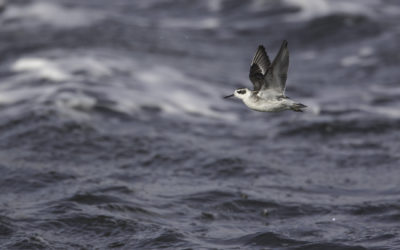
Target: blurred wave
[114, 133]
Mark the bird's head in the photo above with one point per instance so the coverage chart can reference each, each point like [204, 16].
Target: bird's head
[241, 93]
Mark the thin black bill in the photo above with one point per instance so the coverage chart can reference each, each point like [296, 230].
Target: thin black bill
[228, 96]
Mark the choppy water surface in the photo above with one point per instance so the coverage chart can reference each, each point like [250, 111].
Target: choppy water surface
[113, 132]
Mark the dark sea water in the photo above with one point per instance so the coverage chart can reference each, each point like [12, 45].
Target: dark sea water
[113, 132]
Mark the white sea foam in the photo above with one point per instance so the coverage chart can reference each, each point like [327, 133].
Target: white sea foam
[175, 92]
[392, 112]
[64, 87]
[94, 67]
[52, 14]
[205, 23]
[39, 67]
[55, 68]
[315, 8]
[75, 101]
[142, 84]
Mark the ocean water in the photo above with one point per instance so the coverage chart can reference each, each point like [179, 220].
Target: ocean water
[114, 132]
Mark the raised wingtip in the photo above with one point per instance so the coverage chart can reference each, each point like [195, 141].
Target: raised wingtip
[285, 43]
[261, 46]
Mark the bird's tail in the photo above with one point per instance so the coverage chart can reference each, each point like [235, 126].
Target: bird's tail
[298, 107]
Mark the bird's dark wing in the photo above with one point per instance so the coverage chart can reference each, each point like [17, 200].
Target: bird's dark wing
[277, 74]
[259, 67]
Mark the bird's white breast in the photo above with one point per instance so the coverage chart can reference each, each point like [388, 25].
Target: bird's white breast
[263, 105]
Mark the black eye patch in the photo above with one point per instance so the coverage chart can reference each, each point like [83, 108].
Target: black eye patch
[241, 92]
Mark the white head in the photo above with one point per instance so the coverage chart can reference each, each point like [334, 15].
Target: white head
[242, 93]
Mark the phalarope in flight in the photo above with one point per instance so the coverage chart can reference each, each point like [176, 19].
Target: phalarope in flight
[269, 80]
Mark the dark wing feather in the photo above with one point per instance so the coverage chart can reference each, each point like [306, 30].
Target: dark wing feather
[259, 67]
[277, 73]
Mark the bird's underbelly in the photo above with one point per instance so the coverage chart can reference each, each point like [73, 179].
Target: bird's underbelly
[268, 106]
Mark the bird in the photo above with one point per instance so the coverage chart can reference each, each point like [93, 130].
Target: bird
[269, 82]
